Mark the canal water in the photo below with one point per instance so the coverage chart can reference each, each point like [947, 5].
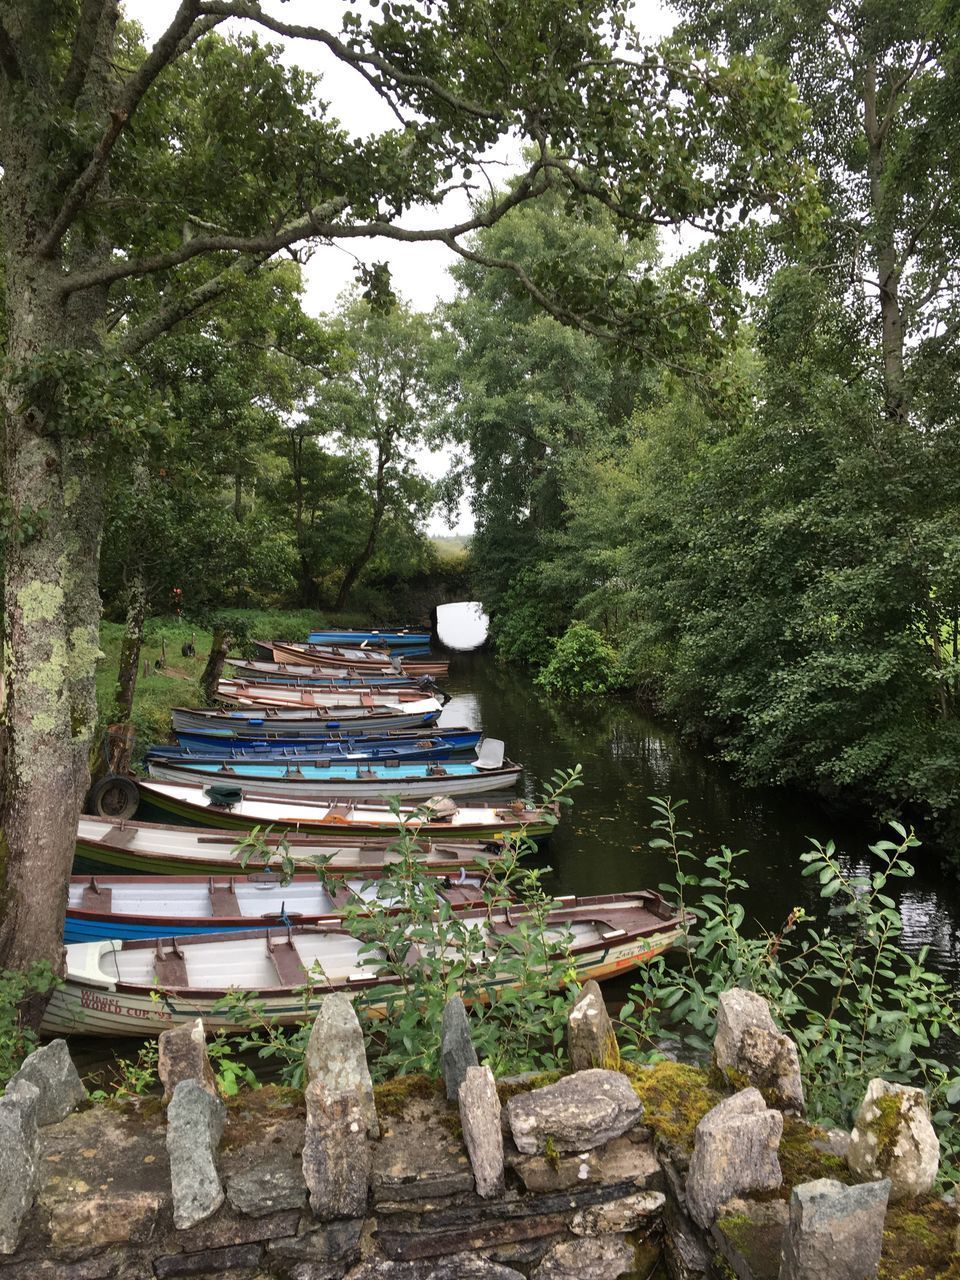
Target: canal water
[602, 845]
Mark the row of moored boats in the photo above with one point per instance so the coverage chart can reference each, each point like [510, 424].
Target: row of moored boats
[321, 755]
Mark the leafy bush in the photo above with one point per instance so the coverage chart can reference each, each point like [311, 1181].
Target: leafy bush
[511, 981]
[520, 628]
[855, 1002]
[17, 1037]
[582, 663]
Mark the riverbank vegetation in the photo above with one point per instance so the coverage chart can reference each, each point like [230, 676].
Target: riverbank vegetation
[762, 519]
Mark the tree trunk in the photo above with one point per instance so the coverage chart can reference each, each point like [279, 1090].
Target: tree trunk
[130, 647]
[53, 472]
[238, 497]
[212, 672]
[51, 612]
[356, 567]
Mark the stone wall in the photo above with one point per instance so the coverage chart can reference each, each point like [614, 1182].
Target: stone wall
[591, 1176]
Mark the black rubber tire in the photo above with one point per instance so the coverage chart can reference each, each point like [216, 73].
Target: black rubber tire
[114, 797]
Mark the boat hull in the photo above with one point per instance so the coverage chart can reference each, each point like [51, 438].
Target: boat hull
[102, 907]
[460, 740]
[379, 789]
[300, 721]
[160, 849]
[189, 804]
[91, 1002]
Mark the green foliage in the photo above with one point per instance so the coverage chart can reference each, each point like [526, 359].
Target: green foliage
[512, 980]
[856, 1003]
[582, 664]
[17, 1037]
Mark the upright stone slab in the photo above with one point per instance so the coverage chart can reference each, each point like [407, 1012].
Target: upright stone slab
[734, 1150]
[337, 1057]
[19, 1159]
[336, 1158]
[893, 1138]
[750, 1048]
[480, 1119]
[182, 1055]
[834, 1232]
[194, 1127]
[456, 1047]
[577, 1113]
[591, 1040]
[51, 1070]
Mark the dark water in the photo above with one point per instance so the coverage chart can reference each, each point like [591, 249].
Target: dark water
[601, 847]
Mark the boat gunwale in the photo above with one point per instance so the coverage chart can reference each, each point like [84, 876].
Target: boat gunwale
[675, 924]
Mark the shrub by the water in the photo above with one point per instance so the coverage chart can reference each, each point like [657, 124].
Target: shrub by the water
[582, 663]
[856, 1003]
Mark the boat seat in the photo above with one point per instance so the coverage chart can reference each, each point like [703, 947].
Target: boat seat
[223, 899]
[170, 967]
[338, 813]
[122, 835]
[286, 961]
[96, 897]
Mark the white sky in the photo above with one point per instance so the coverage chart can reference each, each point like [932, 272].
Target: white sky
[419, 271]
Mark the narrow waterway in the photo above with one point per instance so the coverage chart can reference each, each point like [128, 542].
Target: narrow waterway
[602, 846]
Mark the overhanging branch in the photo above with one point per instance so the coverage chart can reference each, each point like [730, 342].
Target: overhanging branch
[162, 53]
[358, 60]
[318, 224]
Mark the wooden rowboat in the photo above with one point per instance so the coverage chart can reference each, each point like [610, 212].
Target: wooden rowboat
[244, 693]
[443, 820]
[156, 848]
[145, 986]
[323, 677]
[309, 655]
[295, 722]
[331, 780]
[166, 906]
[402, 638]
[216, 736]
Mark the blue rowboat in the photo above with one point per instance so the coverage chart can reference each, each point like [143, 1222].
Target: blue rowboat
[217, 740]
[228, 754]
[335, 779]
[112, 906]
[405, 638]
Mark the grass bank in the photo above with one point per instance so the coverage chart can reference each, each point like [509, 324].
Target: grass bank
[172, 678]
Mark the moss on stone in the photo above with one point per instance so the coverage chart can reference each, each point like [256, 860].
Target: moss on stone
[507, 1089]
[675, 1099]
[885, 1127]
[392, 1096]
[801, 1161]
[919, 1241]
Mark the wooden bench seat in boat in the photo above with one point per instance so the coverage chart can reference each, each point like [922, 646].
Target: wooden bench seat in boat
[122, 835]
[223, 898]
[286, 960]
[170, 967]
[96, 897]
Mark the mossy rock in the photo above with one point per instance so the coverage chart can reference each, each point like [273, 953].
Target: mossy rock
[675, 1099]
[801, 1161]
[919, 1241]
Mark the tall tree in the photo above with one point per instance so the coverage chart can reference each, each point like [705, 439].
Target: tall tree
[140, 186]
[880, 81]
[380, 409]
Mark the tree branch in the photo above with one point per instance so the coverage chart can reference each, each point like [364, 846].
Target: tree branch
[162, 53]
[315, 225]
[84, 42]
[9, 62]
[186, 305]
[251, 10]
